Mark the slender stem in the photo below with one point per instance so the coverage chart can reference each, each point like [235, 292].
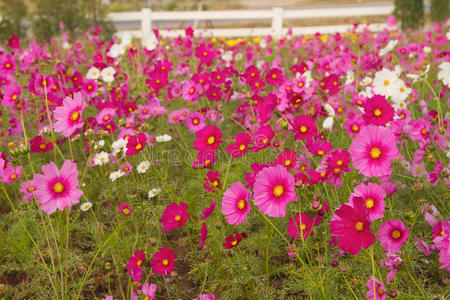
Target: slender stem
[373, 272]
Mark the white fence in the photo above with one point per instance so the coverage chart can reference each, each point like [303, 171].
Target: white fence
[277, 15]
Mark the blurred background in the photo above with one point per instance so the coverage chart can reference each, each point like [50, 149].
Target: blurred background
[43, 19]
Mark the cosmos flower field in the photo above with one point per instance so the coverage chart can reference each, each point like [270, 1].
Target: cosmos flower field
[300, 167]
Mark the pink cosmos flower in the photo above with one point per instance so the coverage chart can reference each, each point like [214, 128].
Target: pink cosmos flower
[304, 127]
[351, 227]
[274, 189]
[105, 116]
[379, 292]
[57, 189]
[124, 208]
[11, 174]
[372, 151]
[378, 111]
[297, 226]
[175, 215]
[195, 122]
[235, 204]
[27, 188]
[163, 261]
[208, 139]
[262, 138]
[392, 234]
[212, 181]
[69, 116]
[373, 196]
[203, 235]
[209, 210]
[149, 290]
[444, 249]
[134, 266]
[240, 146]
[136, 144]
[38, 145]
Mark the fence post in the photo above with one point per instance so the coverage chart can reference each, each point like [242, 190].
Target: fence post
[146, 22]
[277, 21]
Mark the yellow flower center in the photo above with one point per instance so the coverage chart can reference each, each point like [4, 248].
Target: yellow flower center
[377, 112]
[42, 146]
[320, 152]
[31, 188]
[242, 147]
[13, 176]
[287, 162]
[337, 171]
[106, 118]
[195, 121]
[138, 146]
[215, 183]
[424, 131]
[177, 218]
[8, 65]
[126, 211]
[370, 203]
[207, 162]
[386, 82]
[211, 140]
[191, 91]
[165, 262]
[74, 116]
[58, 188]
[241, 204]
[139, 262]
[303, 227]
[339, 162]
[278, 190]
[234, 243]
[396, 234]
[380, 291]
[359, 226]
[355, 128]
[375, 153]
[274, 76]
[303, 129]
[14, 97]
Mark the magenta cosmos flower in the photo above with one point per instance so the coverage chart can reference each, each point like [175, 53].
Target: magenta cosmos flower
[163, 261]
[304, 127]
[235, 204]
[379, 292]
[208, 139]
[175, 215]
[373, 196]
[274, 189]
[372, 151]
[57, 189]
[351, 227]
[392, 234]
[378, 111]
[303, 225]
[69, 115]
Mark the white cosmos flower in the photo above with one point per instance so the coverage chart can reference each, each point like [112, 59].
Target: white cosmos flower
[391, 45]
[93, 73]
[153, 192]
[426, 49]
[115, 175]
[107, 74]
[85, 206]
[118, 145]
[350, 77]
[398, 105]
[150, 42]
[163, 138]
[329, 109]
[101, 158]
[143, 167]
[263, 43]
[328, 123]
[66, 45]
[227, 56]
[116, 51]
[401, 94]
[444, 73]
[386, 82]
[366, 81]
[99, 144]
